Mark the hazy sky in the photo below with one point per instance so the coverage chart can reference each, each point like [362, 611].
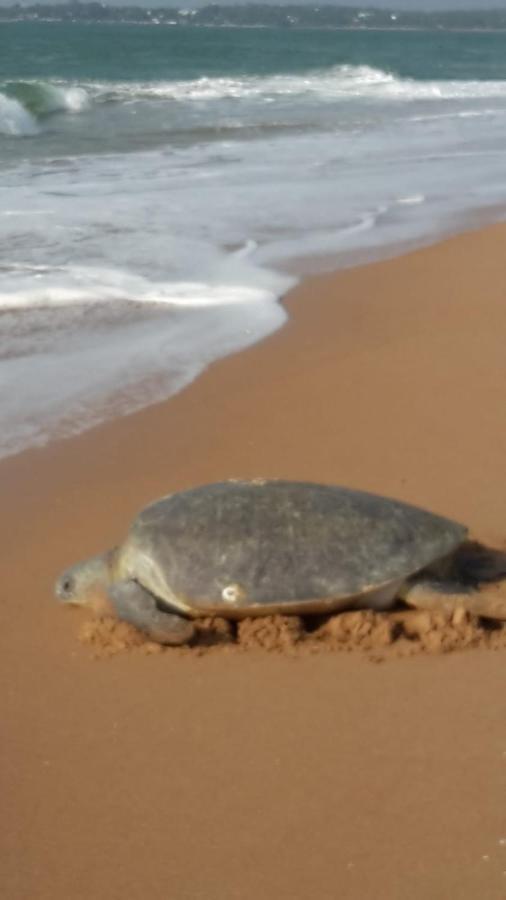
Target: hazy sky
[389, 4]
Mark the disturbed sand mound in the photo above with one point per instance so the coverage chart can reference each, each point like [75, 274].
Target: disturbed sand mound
[379, 636]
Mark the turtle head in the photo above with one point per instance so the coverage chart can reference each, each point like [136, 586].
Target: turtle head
[86, 583]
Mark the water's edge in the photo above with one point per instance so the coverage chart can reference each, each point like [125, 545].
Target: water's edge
[149, 391]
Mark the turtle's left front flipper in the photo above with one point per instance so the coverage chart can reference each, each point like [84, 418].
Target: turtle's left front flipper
[137, 606]
[447, 598]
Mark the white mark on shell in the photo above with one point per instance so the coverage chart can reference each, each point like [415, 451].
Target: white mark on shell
[231, 593]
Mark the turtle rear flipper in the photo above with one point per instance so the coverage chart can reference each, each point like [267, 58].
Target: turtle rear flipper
[476, 563]
[133, 604]
[447, 597]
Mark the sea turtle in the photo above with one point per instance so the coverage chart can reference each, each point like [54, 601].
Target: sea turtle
[251, 548]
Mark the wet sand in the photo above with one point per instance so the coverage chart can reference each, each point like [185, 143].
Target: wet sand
[243, 773]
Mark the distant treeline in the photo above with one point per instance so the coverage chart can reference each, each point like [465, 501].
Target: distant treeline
[260, 15]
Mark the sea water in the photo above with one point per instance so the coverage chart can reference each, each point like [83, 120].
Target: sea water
[161, 188]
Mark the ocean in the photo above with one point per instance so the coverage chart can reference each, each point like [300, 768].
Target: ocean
[162, 188]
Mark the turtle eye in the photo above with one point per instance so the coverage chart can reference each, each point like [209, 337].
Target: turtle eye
[65, 586]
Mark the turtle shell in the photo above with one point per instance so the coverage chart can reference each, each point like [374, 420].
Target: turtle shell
[240, 548]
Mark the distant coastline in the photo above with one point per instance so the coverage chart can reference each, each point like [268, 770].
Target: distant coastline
[261, 16]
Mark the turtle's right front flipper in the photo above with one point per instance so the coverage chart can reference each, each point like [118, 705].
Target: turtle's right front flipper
[137, 606]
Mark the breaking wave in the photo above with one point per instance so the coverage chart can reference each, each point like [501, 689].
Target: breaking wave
[23, 103]
[15, 120]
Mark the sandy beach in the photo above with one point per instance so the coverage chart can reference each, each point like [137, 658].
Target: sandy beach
[249, 774]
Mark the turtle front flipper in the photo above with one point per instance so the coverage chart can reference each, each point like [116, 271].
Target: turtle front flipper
[137, 606]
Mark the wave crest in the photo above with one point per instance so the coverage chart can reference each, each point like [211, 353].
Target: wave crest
[41, 98]
[23, 103]
[343, 81]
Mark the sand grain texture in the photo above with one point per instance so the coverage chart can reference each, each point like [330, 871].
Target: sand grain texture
[240, 772]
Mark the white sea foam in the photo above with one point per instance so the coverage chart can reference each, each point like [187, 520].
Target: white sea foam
[72, 368]
[481, 113]
[41, 286]
[411, 199]
[71, 99]
[339, 81]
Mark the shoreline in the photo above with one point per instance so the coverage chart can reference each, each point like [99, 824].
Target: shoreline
[314, 297]
[150, 388]
[255, 774]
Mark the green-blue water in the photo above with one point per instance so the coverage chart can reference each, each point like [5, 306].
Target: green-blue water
[129, 52]
[157, 183]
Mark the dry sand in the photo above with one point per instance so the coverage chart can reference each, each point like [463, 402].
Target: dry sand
[235, 772]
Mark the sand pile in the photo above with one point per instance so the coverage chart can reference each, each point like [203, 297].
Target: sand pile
[377, 635]
[108, 636]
